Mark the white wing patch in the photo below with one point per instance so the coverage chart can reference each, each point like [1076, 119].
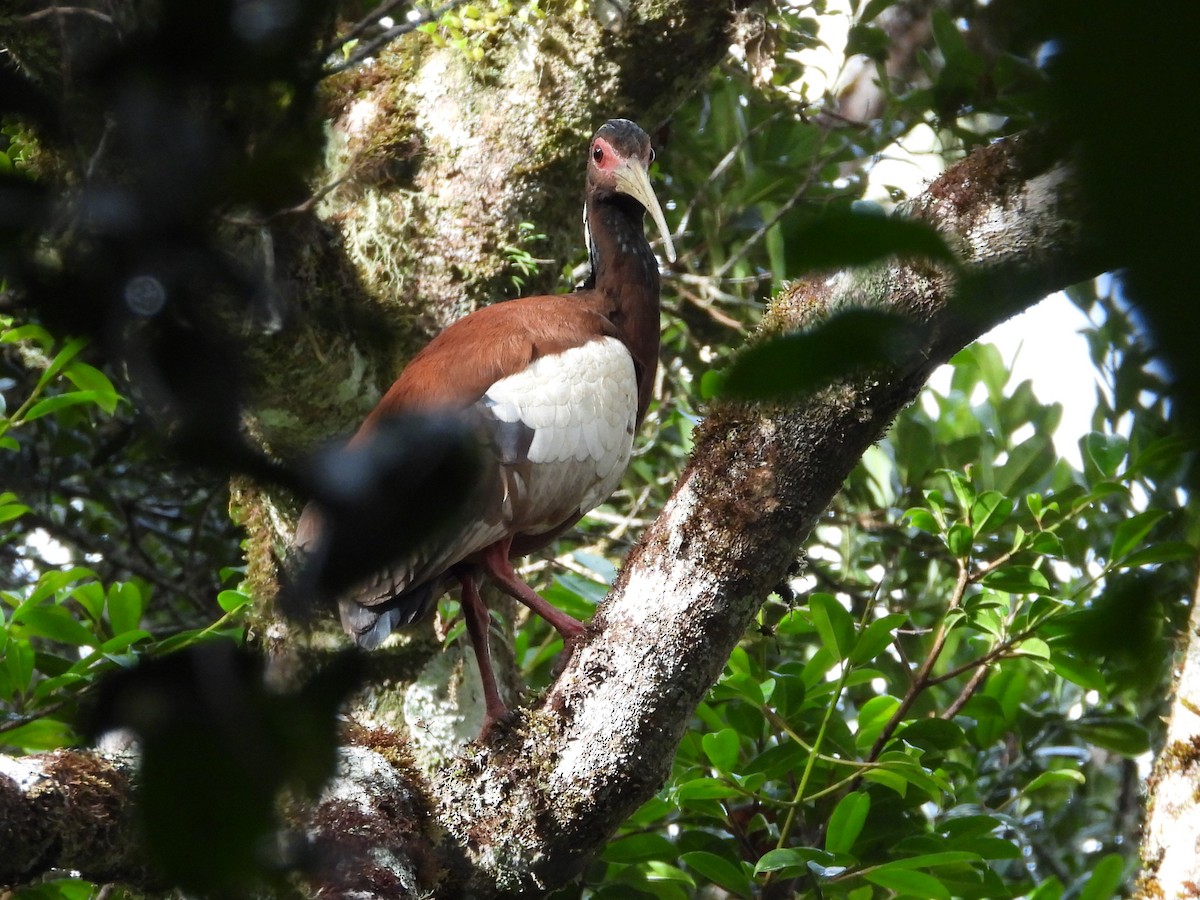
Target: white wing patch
[581, 406]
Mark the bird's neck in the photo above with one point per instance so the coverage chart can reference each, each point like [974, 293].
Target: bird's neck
[625, 271]
[618, 251]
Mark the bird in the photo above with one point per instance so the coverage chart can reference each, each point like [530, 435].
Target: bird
[553, 388]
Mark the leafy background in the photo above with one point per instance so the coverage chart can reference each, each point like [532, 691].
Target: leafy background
[956, 692]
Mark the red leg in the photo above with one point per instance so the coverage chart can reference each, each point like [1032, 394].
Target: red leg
[495, 561]
[478, 622]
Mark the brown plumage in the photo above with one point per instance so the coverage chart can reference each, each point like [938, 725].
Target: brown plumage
[554, 387]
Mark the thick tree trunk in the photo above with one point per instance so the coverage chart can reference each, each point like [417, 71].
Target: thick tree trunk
[1171, 842]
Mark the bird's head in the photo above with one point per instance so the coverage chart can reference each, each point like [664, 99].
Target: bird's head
[619, 163]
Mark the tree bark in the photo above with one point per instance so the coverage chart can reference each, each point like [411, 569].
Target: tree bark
[68, 810]
[1171, 835]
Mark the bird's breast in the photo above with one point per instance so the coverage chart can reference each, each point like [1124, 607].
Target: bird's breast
[564, 428]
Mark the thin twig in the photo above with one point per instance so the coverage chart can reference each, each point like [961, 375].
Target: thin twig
[719, 169]
[66, 11]
[356, 30]
[373, 46]
[966, 693]
[921, 679]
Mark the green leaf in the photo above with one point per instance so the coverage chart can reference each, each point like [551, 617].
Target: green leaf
[1035, 647]
[791, 861]
[90, 596]
[1078, 672]
[1124, 737]
[1050, 889]
[874, 8]
[58, 889]
[990, 511]
[55, 623]
[795, 364]
[1055, 777]
[744, 686]
[1167, 551]
[1133, 531]
[64, 356]
[1046, 543]
[90, 379]
[949, 39]
[232, 601]
[1166, 451]
[876, 637]
[35, 334]
[1105, 451]
[922, 519]
[932, 733]
[905, 765]
[1017, 580]
[39, 734]
[1105, 881]
[720, 872]
[969, 826]
[125, 604]
[929, 860]
[834, 624]
[889, 779]
[873, 716]
[963, 492]
[705, 789]
[908, 883]
[62, 401]
[846, 822]
[657, 870]
[10, 508]
[639, 848]
[18, 663]
[1027, 464]
[721, 747]
[960, 540]
[867, 40]
[712, 384]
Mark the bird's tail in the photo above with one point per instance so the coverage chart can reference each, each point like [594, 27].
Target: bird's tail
[370, 625]
[374, 608]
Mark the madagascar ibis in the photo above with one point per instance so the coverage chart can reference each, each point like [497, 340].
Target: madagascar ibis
[555, 388]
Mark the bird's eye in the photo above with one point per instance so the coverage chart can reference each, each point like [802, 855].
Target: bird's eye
[597, 153]
[651, 154]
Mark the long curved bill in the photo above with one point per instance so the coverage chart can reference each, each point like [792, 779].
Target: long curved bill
[633, 180]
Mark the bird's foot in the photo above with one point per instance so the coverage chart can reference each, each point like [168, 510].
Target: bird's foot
[498, 722]
[572, 638]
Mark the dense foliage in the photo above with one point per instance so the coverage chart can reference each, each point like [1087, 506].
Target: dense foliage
[952, 697]
[954, 693]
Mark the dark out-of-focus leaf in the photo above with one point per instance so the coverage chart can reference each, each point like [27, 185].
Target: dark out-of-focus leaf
[217, 747]
[795, 364]
[406, 481]
[1123, 626]
[869, 41]
[840, 239]
[1155, 241]
[1120, 736]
